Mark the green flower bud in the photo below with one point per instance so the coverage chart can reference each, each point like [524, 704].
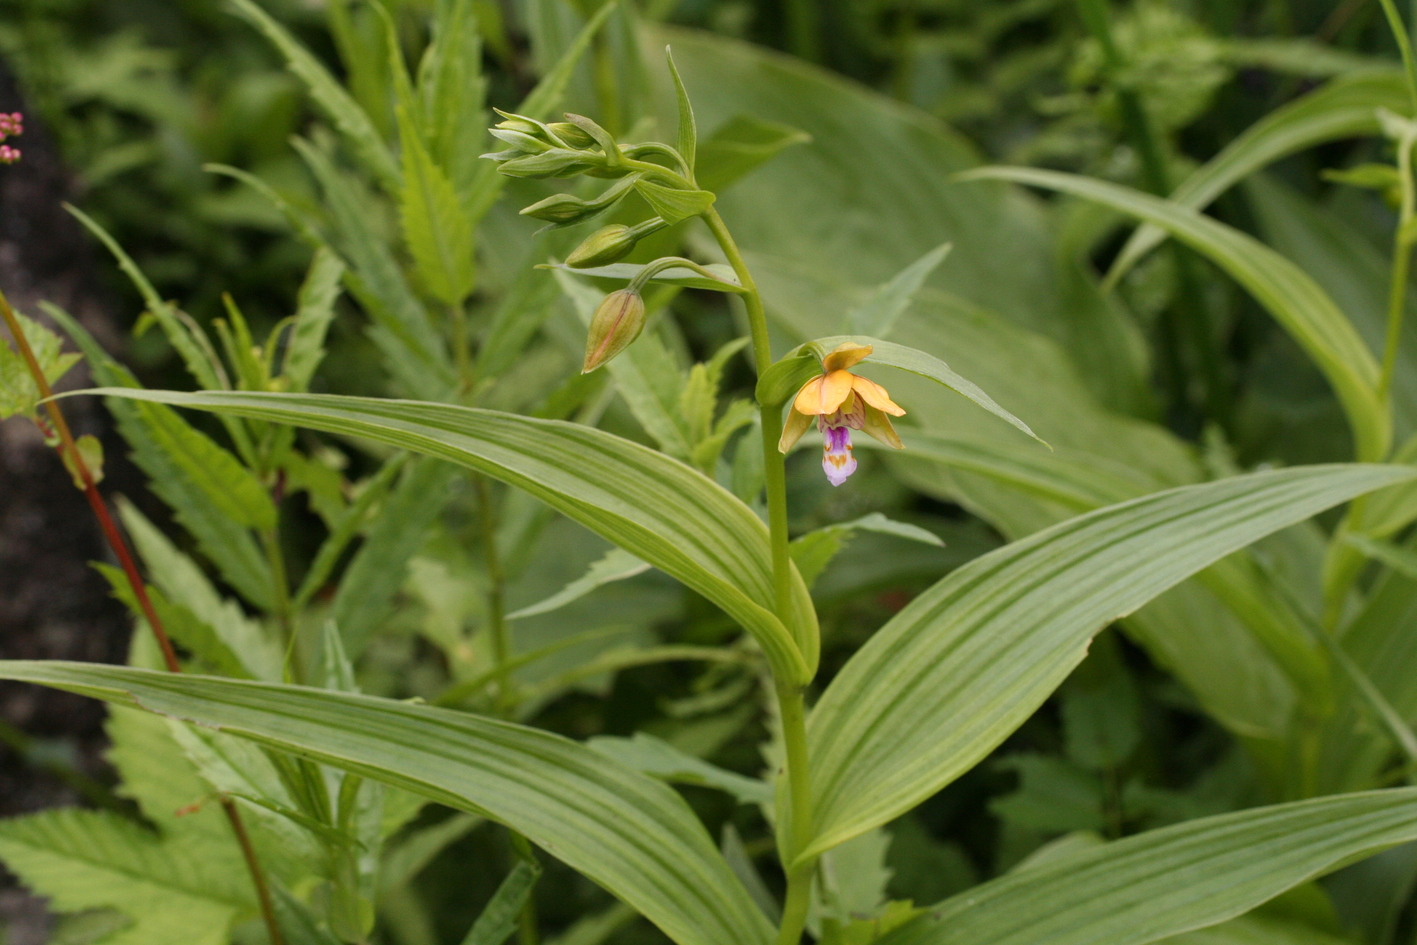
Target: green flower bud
[603, 247]
[557, 162]
[515, 122]
[520, 140]
[616, 323]
[571, 135]
[560, 208]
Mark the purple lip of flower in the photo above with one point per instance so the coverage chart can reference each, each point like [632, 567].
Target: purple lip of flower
[837, 459]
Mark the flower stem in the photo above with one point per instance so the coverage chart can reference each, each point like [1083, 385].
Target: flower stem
[1401, 261]
[68, 447]
[789, 694]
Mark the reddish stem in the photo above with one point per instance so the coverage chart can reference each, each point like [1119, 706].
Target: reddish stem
[68, 447]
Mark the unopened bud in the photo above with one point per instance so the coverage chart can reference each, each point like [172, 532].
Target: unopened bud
[603, 247]
[615, 324]
[554, 163]
[573, 136]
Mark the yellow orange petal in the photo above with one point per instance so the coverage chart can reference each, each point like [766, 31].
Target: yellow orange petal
[797, 424]
[823, 394]
[878, 425]
[845, 355]
[875, 395]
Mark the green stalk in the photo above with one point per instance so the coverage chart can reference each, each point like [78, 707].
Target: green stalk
[1404, 46]
[496, 598]
[790, 702]
[1401, 262]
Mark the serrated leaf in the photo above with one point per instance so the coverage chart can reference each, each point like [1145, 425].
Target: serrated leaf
[659, 509]
[182, 582]
[622, 829]
[965, 663]
[315, 311]
[19, 394]
[224, 542]
[83, 859]
[329, 95]
[374, 575]
[437, 230]
[1165, 882]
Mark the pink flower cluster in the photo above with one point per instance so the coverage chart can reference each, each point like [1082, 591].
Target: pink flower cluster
[11, 126]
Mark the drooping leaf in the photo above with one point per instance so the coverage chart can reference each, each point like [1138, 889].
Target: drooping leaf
[1165, 882]
[657, 508]
[672, 204]
[1285, 290]
[627, 832]
[968, 661]
[926, 365]
[1345, 108]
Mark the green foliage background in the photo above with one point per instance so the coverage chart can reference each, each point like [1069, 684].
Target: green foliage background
[837, 130]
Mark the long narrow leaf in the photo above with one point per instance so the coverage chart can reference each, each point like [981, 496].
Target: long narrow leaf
[1345, 108]
[1169, 881]
[655, 507]
[624, 830]
[965, 664]
[1294, 299]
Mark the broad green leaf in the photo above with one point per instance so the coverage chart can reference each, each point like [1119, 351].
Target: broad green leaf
[617, 565]
[926, 365]
[629, 833]
[1166, 882]
[739, 146]
[672, 204]
[19, 394]
[1285, 290]
[315, 311]
[964, 664]
[368, 584]
[1254, 930]
[328, 94]
[724, 279]
[83, 859]
[688, 139]
[1345, 108]
[438, 232]
[658, 758]
[878, 315]
[224, 542]
[655, 507]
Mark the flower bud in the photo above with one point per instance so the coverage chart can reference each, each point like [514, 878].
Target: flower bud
[571, 135]
[560, 208]
[603, 247]
[554, 163]
[615, 324]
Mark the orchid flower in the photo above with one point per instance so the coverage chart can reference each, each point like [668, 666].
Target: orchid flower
[841, 402]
